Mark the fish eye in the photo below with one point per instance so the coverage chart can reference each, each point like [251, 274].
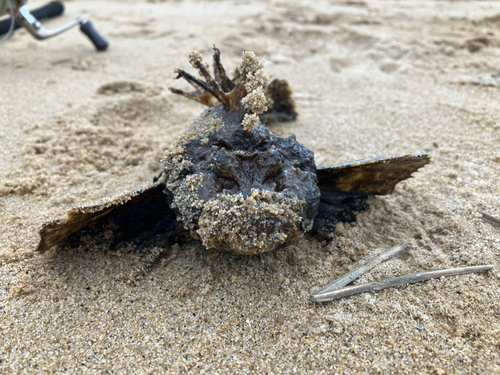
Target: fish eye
[228, 183]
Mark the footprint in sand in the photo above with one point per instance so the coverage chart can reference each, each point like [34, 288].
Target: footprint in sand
[120, 87]
[134, 109]
[338, 64]
[389, 67]
[80, 64]
[139, 90]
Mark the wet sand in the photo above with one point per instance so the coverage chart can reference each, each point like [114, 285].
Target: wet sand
[370, 79]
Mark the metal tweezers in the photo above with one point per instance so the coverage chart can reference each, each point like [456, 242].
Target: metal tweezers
[338, 288]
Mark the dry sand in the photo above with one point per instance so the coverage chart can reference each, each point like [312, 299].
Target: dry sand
[370, 79]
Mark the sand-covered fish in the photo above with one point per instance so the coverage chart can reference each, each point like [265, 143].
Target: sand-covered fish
[230, 182]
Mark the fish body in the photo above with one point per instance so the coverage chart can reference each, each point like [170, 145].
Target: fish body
[230, 182]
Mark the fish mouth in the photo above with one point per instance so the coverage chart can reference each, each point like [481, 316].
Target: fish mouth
[251, 224]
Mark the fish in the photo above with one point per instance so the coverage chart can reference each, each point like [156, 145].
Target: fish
[231, 183]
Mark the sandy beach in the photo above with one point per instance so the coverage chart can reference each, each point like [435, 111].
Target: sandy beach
[370, 78]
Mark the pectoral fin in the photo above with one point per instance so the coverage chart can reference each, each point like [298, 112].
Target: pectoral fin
[346, 187]
[141, 217]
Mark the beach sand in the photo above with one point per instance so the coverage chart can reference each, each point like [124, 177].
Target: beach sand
[370, 79]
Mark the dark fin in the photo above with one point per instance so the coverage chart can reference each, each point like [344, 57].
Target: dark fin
[282, 106]
[376, 176]
[214, 91]
[203, 93]
[137, 220]
[219, 90]
[346, 187]
[220, 73]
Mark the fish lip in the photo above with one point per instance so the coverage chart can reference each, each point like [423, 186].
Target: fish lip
[249, 225]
